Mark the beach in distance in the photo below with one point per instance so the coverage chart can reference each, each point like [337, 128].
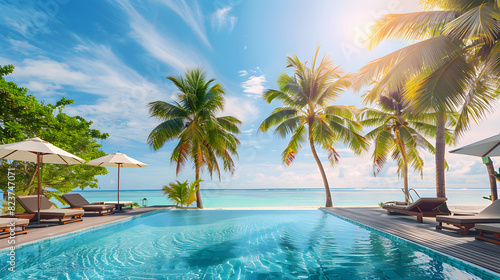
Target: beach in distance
[235, 198]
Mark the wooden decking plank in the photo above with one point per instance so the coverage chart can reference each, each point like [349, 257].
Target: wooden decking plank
[466, 248]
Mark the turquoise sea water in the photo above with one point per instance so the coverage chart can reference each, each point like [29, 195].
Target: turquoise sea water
[290, 197]
[220, 244]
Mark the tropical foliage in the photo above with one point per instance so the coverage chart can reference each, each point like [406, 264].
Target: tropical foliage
[203, 137]
[399, 134]
[181, 193]
[22, 116]
[453, 66]
[308, 116]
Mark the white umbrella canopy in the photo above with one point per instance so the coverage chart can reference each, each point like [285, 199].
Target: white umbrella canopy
[39, 151]
[29, 149]
[489, 147]
[117, 160]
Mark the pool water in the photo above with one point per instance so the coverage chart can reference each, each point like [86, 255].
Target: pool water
[223, 244]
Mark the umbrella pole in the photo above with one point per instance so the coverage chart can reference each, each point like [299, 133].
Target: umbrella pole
[118, 206]
[38, 159]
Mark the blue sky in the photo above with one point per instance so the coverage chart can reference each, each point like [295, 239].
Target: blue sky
[112, 58]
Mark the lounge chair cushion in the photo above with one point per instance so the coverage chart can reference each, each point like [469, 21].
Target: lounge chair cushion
[468, 219]
[489, 227]
[30, 203]
[75, 199]
[60, 213]
[492, 210]
[424, 204]
[97, 207]
[6, 222]
[490, 214]
[126, 203]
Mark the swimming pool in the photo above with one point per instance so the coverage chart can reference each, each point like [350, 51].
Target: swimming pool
[223, 244]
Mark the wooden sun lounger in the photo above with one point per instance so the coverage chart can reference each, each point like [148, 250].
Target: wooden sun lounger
[7, 223]
[423, 207]
[48, 210]
[123, 204]
[75, 200]
[489, 228]
[463, 224]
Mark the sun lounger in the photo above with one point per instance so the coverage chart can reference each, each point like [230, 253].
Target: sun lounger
[488, 228]
[75, 200]
[18, 224]
[48, 210]
[127, 204]
[423, 207]
[463, 224]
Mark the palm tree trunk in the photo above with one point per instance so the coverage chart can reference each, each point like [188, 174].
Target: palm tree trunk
[440, 150]
[405, 167]
[199, 203]
[323, 174]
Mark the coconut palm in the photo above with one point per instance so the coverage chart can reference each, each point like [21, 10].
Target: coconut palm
[203, 137]
[399, 133]
[453, 66]
[308, 116]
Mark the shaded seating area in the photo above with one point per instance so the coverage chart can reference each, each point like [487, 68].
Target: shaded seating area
[423, 207]
[18, 224]
[492, 229]
[75, 200]
[463, 224]
[49, 211]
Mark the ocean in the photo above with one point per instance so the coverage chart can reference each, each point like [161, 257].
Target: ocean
[232, 198]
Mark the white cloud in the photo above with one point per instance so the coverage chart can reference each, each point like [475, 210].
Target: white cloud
[244, 110]
[49, 70]
[121, 94]
[254, 85]
[242, 73]
[28, 18]
[22, 46]
[221, 18]
[166, 49]
[191, 14]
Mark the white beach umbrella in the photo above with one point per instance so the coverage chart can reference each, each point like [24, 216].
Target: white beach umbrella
[117, 160]
[39, 151]
[489, 147]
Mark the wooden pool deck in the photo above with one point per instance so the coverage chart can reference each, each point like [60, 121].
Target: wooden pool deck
[53, 228]
[463, 247]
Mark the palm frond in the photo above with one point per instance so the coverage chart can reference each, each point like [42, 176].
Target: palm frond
[443, 89]
[166, 111]
[479, 22]
[393, 70]
[409, 27]
[278, 116]
[295, 144]
[164, 132]
[456, 5]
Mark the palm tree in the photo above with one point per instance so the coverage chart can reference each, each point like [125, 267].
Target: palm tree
[181, 193]
[453, 66]
[399, 133]
[203, 137]
[307, 115]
